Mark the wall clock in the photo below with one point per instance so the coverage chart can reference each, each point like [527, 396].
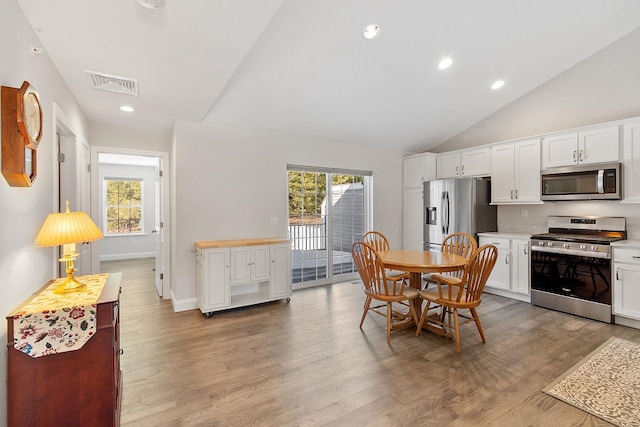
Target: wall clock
[21, 133]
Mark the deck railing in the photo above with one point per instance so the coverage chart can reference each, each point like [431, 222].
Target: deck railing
[308, 237]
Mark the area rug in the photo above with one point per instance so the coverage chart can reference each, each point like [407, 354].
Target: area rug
[606, 383]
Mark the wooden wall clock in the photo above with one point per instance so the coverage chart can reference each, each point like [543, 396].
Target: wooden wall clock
[21, 132]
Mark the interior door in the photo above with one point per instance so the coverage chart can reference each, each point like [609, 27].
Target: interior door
[66, 183]
[83, 263]
[159, 230]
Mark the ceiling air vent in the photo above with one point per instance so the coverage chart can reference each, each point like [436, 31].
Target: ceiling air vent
[112, 83]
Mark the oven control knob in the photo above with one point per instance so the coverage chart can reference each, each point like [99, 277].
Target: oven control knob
[540, 243]
[583, 247]
[549, 243]
[566, 245]
[594, 248]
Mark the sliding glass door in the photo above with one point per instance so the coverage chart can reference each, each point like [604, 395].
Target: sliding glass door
[328, 211]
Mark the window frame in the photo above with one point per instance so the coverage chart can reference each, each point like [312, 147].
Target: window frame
[367, 218]
[106, 206]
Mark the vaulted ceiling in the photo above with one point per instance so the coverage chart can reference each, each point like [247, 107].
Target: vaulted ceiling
[303, 67]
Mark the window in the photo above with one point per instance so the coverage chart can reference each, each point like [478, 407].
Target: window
[328, 211]
[123, 206]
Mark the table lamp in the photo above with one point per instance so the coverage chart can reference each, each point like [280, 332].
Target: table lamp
[67, 229]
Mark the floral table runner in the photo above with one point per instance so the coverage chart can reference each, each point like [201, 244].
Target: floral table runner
[55, 323]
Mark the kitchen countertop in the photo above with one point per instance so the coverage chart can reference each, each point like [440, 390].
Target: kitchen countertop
[505, 235]
[210, 244]
[627, 244]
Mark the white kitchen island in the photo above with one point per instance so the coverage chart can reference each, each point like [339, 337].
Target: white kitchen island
[242, 272]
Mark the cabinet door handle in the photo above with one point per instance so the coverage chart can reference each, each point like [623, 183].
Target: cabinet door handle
[617, 274]
[635, 257]
[462, 169]
[574, 156]
[457, 168]
[525, 249]
[516, 194]
[511, 194]
[581, 155]
[121, 351]
[506, 258]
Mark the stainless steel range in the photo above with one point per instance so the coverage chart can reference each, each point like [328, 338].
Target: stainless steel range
[571, 265]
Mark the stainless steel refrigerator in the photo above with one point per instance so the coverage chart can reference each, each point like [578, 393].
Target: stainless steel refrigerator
[457, 205]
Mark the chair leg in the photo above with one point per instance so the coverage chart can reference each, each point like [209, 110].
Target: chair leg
[413, 312]
[423, 317]
[389, 323]
[476, 318]
[367, 303]
[456, 323]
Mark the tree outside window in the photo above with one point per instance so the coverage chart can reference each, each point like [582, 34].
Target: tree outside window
[123, 206]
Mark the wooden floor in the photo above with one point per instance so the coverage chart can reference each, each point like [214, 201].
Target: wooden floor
[307, 363]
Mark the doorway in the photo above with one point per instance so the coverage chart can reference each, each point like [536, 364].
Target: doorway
[131, 209]
[328, 210]
[72, 155]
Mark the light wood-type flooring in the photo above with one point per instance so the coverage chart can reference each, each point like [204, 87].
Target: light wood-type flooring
[306, 363]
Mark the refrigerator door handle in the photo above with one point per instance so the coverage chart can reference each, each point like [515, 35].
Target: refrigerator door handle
[445, 212]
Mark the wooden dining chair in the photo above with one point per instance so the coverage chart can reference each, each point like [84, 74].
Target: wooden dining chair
[459, 293]
[378, 287]
[379, 242]
[462, 244]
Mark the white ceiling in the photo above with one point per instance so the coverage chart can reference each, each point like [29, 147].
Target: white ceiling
[302, 67]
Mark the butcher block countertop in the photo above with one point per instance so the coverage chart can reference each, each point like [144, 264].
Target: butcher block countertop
[209, 244]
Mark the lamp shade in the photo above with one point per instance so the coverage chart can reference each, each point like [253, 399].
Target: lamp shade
[66, 228]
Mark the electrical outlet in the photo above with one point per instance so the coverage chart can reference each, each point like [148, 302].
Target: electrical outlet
[274, 220]
[524, 213]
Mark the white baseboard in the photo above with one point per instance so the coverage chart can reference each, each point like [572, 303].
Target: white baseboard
[632, 323]
[184, 304]
[133, 255]
[508, 294]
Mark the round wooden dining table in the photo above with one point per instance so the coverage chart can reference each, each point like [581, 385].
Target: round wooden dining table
[418, 262]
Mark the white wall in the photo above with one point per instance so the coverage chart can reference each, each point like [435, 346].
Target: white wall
[230, 182]
[23, 267]
[511, 220]
[602, 88]
[106, 135]
[137, 245]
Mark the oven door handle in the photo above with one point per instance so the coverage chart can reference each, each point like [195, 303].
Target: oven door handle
[603, 255]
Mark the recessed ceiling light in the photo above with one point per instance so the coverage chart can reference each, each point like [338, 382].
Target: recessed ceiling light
[445, 63]
[371, 31]
[127, 108]
[497, 85]
[152, 4]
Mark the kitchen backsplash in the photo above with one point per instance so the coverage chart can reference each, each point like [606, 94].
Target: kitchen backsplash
[531, 219]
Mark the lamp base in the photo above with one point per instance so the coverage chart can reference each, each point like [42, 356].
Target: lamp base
[70, 285]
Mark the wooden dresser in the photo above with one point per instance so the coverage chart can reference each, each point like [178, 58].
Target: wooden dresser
[82, 387]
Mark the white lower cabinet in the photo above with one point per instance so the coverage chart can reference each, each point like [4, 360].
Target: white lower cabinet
[236, 273]
[510, 275]
[626, 284]
[280, 271]
[412, 219]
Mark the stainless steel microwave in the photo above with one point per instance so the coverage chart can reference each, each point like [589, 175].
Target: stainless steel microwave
[591, 182]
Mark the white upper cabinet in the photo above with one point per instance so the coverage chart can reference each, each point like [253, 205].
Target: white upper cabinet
[458, 164]
[448, 165]
[631, 160]
[588, 147]
[515, 177]
[417, 169]
[475, 162]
